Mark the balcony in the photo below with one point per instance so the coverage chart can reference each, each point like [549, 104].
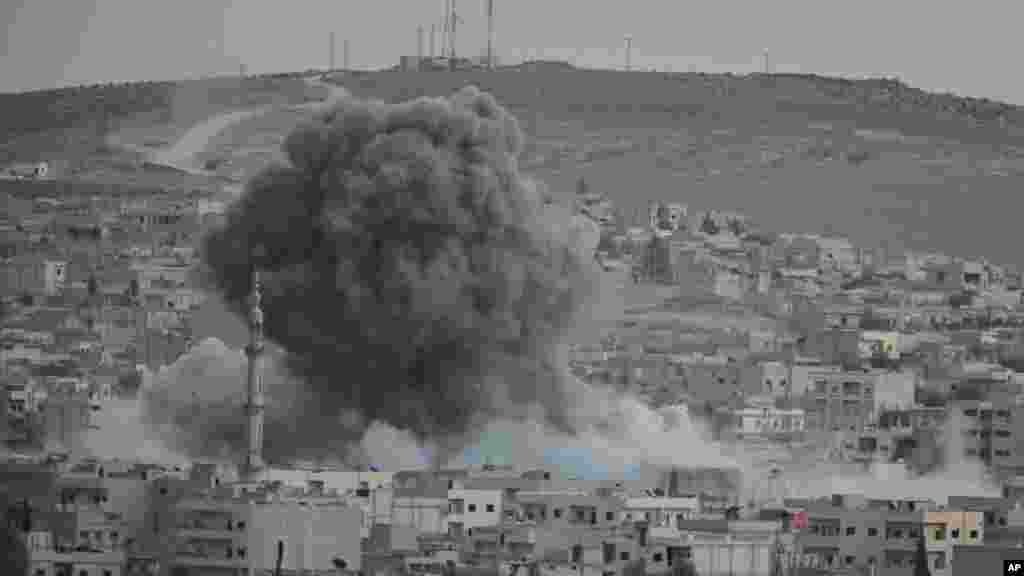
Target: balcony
[209, 533]
[208, 561]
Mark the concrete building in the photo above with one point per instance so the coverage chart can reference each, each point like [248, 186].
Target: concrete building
[836, 347]
[838, 254]
[314, 533]
[715, 547]
[986, 559]
[768, 378]
[420, 500]
[662, 510]
[225, 531]
[805, 372]
[67, 417]
[472, 509]
[32, 274]
[842, 401]
[992, 432]
[851, 533]
[711, 379]
[768, 421]
[948, 530]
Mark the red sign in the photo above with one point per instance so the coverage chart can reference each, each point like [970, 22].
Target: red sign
[799, 520]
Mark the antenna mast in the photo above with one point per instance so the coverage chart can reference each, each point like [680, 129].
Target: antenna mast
[454, 19]
[445, 26]
[490, 34]
[629, 52]
[419, 46]
[331, 54]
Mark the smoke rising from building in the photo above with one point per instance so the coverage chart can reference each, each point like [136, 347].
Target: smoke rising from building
[422, 293]
[407, 270]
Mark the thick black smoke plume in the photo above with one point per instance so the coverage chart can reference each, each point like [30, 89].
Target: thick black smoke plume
[408, 269]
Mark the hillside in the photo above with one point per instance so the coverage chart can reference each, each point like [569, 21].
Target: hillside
[876, 160]
[74, 124]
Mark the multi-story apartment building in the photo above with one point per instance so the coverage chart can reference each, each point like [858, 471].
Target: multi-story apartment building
[841, 401]
[852, 533]
[662, 510]
[715, 546]
[33, 274]
[946, 530]
[992, 432]
[472, 509]
[762, 419]
[230, 529]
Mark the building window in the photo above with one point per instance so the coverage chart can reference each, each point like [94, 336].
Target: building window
[872, 531]
[954, 533]
[558, 512]
[851, 530]
[973, 535]
[83, 573]
[490, 507]
[848, 560]
[624, 556]
[940, 534]
[472, 507]
[609, 516]
[658, 557]
[241, 552]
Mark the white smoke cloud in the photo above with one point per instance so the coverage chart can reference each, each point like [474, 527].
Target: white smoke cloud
[961, 476]
[122, 433]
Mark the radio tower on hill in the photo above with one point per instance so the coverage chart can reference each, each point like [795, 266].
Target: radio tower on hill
[253, 463]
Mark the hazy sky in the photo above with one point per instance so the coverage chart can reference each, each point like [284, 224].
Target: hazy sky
[965, 47]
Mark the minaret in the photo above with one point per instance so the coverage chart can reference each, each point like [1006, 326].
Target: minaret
[254, 406]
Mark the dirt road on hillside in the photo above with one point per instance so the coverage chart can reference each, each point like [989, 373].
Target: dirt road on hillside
[183, 153]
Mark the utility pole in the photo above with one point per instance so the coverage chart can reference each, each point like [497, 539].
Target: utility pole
[345, 54]
[767, 67]
[419, 45]
[432, 43]
[331, 53]
[446, 21]
[455, 21]
[490, 34]
[629, 50]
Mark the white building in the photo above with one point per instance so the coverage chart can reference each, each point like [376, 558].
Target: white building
[235, 535]
[746, 547]
[475, 508]
[766, 420]
[662, 511]
[313, 536]
[427, 514]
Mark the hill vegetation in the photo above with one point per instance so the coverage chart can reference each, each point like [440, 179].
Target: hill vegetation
[884, 163]
[877, 160]
[76, 121]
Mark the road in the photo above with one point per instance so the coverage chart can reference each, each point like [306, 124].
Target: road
[182, 154]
